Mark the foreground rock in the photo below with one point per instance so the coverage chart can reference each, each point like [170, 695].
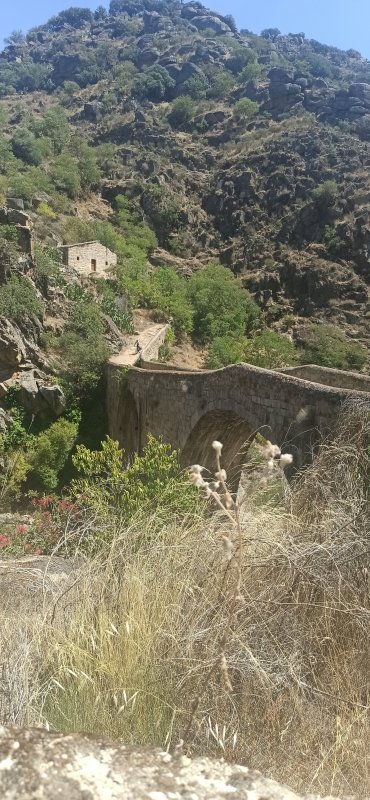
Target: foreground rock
[37, 765]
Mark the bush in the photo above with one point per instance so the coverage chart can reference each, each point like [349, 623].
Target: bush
[151, 481]
[182, 111]
[55, 126]
[245, 108]
[27, 147]
[65, 175]
[221, 306]
[49, 452]
[18, 299]
[83, 347]
[270, 350]
[225, 350]
[221, 84]
[44, 210]
[325, 196]
[152, 84]
[328, 346]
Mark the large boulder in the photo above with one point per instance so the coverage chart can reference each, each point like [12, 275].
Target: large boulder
[40, 398]
[38, 765]
[12, 346]
[213, 23]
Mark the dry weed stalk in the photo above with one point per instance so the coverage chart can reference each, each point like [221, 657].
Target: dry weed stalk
[218, 491]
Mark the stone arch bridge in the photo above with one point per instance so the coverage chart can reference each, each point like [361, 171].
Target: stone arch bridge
[293, 408]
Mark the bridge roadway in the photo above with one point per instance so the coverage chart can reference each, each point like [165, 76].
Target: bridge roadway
[188, 409]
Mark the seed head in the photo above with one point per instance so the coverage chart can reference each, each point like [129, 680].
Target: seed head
[221, 475]
[196, 468]
[217, 446]
[285, 459]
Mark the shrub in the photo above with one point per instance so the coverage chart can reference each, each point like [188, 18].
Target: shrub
[44, 210]
[55, 126]
[271, 34]
[49, 452]
[164, 211]
[225, 350]
[221, 84]
[196, 87]
[221, 306]
[18, 299]
[183, 109]
[152, 480]
[245, 108]
[165, 350]
[270, 350]
[27, 147]
[153, 83]
[328, 346]
[325, 196]
[83, 347]
[66, 176]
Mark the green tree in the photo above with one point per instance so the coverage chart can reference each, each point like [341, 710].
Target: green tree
[83, 347]
[270, 350]
[225, 350]
[271, 34]
[325, 196]
[153, 83]
[27, 147]
[245, 108]
[65, 175]
[48, 452]
[55, 126]
[183, 109]
[221, 84]
[221, 306]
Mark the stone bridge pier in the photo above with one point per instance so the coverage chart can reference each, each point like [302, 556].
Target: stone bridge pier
[191, 409]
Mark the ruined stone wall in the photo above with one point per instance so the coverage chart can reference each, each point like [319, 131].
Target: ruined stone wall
[80, 257]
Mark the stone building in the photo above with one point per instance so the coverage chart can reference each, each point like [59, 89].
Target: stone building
[88, 258]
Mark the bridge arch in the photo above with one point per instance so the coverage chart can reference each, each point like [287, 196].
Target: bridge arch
[228, 427]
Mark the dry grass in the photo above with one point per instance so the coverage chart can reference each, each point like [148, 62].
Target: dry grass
[153, 607]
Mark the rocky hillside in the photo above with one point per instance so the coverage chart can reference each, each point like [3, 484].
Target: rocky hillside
[253, 150]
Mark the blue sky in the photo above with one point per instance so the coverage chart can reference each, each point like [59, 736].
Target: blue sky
[343, 23]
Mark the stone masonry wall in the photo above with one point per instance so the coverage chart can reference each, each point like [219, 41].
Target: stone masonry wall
[288, 410]
[80, 256]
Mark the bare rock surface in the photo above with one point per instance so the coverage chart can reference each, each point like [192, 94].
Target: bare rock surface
[38, 765]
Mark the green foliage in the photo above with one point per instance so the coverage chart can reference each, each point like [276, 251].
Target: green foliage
[83, 348]
[270, 350]
[26, 184]
[27, 147]
[15, 37]
[9, 232]
[76, 17]
[65, 175]
[325, 196]
[221, 84]
[24, 76]
[250, 72]
[221, 306]
[196, 87]
[108, 304]
[271, 34]
[55, 126]
[165, 350]
[136, 232]
[328, 346]
[152, 480]
[18, 299]
[245, 108]
[49, 452]
[46, 266]
[152, 84]
[162, 290]
[88, 170]
[44, 210]
[225, 350]
[163, 210]
[183, 109]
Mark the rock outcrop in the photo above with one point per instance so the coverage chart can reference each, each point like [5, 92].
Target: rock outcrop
[37, 765]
